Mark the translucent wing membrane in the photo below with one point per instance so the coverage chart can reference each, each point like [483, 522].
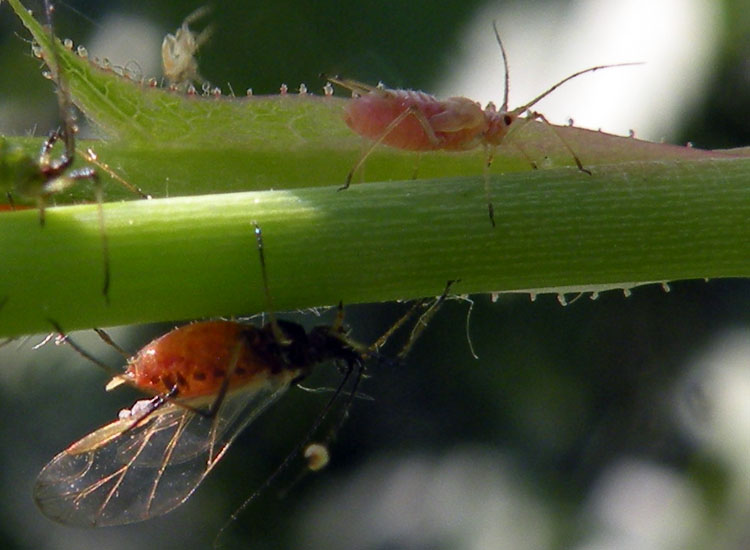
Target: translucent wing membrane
[136, 468]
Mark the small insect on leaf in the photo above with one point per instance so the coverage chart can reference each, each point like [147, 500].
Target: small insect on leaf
[417, 121]
[178, 52]
[40, 178]
[207, 381]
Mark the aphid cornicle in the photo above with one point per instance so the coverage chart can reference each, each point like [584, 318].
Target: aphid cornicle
[208, 380]
[417, 121]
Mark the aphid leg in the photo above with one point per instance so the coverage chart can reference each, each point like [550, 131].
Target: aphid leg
[278, 334]
[338, 322]
[525, 155]
[154, 404]
[53, 166]
[380, 342]
[49, 168]
[61, 183]
[422, 322]
[54, 169]
[63, 95]
[425, 319]
[410, 111]
[489, 152]
[99, 193]
[90, 156]
[535, 115]
[415, 173]
[353, 369]
[40, 205]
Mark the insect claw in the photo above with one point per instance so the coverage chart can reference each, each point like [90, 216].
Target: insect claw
[348, 182]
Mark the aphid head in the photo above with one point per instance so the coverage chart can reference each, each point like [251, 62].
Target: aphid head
[292, 344]
[498, 125]
[332, 343]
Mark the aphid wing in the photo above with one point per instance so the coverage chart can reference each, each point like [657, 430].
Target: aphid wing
[145, 471]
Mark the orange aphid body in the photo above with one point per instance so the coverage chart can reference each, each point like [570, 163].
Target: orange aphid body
[193, 360]
[208, 381]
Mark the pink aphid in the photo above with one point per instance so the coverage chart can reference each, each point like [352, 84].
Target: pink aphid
[455, 124]
[416, 121]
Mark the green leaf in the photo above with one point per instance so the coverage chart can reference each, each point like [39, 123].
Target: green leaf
[649, 212]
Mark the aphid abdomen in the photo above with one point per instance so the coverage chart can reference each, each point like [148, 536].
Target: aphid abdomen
[460, 125]
[457, 123]
[196, 359]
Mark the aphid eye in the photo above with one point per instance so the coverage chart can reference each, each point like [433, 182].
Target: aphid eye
[508, 120]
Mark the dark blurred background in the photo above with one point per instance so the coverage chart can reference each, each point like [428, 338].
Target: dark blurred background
[620, 422]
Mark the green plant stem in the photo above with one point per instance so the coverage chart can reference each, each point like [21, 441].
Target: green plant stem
[194, 257]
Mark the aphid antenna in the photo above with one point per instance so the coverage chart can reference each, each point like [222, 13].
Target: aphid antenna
[197, 14]
[504, 107]
[109, 341]
[82, 352]
[537, 99]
